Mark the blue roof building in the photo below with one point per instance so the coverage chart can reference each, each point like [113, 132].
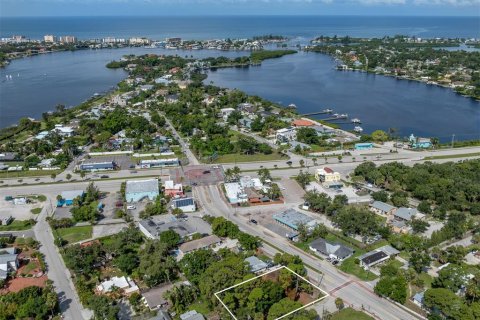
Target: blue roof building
[363, 146]
[140, 189]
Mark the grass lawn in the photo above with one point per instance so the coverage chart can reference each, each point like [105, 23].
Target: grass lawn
[28, 173]
[235, 157]
[350, 314]
[36, 210]
[200, 307]
[349, 266]
[426, 278]
[451, 156]
[30, 266]
[17, 225]
[75, 234]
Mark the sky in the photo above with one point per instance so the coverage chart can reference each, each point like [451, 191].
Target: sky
[16, 8]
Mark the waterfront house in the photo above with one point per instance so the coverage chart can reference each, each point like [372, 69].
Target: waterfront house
[141, 189]
[419, 143]
[286, 134]
[225, 112]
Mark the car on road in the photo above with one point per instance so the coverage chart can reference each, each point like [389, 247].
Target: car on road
[206, 172]
[104, 176]
[253, 221]
[194, 184]
[131, 166]
[38, 179]
[133, 171]
[131, 207]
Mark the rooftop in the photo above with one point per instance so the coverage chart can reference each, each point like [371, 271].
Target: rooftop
[183, 202]
[385, 207]
[328, 248]
[71, 194]
[191, 315]
[256, 264]
[302, 123]
[372, 257]
[405, 213]
[139, 186]
[293, 218]
[199, 244]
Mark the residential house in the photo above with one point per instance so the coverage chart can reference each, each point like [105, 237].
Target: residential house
[418, 299]
[5, 221]
[382, 208]
[225, 112]
[7, 156]
[285, 135]
[42, 135]
[256, 265]
[203, 243]
[419, 143]
[185, 228]
[137, 190]
[328, 177]
[155, 299]
[172, 98]
[8, 262]
[292, 219]
[377, 256]
[333, 250]
[302, 123]
[63, 131]
[184, 204]
[404, 214]
[126, 284]
[191, 315]
[173, 189]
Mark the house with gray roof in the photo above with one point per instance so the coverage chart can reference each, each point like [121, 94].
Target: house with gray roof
[256, 265]
[382, 208]
[8, 262]
[192, 315]
[377, 256]
[405, 214]
[333, 250]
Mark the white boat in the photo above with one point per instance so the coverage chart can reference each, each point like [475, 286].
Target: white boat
[327, 110]
[292, 105]
[336, 115]
[356, 120]
[358, 129]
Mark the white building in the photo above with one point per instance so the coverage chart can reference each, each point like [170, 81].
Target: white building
[226, 112]
[184, 204]
[126, 284]
[49, 38]
[139, 189]
[286, 134]
[63, 131]
[328, 177]
[235, 193]
[8, 262]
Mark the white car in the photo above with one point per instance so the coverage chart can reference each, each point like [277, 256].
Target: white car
[131, 207]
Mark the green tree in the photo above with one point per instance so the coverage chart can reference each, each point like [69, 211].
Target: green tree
[379, 136]
[380, 196]
[419, 260]
[170, 238]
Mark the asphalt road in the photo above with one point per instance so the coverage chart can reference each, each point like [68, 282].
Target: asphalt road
[335, 282]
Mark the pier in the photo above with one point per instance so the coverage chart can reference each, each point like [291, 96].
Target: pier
[325, 111]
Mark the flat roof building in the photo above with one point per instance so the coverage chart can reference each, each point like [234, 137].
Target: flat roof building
[256, 265]
[382, 208]
[235, 192]
[184, 204]
[95, 165]
[329, 178]
[157, 163]
[69, 196]
[153, 227]
[139, 189]
[293, 219]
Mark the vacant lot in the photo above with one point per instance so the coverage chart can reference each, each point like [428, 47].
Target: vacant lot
[75, 234]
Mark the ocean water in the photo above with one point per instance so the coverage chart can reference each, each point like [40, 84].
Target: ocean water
[301, 27]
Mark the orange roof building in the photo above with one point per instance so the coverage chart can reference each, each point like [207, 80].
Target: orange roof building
[302, 123]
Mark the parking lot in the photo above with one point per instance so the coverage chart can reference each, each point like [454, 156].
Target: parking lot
[123, 161]
[348, 191]
[18, 211]
[201, 175]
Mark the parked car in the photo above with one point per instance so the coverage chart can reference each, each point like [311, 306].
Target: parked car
[119, 204]
[104, 176]
[131, 207]
[206, 172]
[253, 221]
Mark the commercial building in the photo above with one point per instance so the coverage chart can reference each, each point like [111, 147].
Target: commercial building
[235, 193]
[139, 189]
[382, 208]
[68, 39]
[363, 146]
[185, 228]
[69, 196]
[157, 163]
[377, 256]
[97, 165]
[49, 38]
[184, 204]
[198, 244]
[256, 265]
[173, 189]
[333, 250]
[329, 178]
[293, 219]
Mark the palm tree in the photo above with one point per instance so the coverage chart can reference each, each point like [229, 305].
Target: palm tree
[314, 161]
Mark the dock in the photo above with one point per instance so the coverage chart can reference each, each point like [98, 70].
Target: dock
[318, 112]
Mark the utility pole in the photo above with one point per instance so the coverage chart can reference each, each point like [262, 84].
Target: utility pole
[453, 140]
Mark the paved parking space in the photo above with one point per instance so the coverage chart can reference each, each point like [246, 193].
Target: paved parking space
[108, 200]
[291, 190]
[201, 175]
[107, 229]
[63, 212]
[18, 211]
[123, 161]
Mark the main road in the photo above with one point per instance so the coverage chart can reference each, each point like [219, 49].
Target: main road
[333, 281]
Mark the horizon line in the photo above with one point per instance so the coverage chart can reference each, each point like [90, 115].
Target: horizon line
[245, 15]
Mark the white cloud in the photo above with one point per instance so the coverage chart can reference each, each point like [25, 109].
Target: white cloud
[448, 2]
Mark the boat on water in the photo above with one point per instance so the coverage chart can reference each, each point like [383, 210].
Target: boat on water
[344, 115]
[358, 129]
[292, 105]
[327, 110]
[356, 120]
[335, 115]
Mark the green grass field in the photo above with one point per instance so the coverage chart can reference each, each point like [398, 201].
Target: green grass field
[350, 314]
[235, 157]
[17, 225]
[28, 173]
[453, 156]
[349, 266]
[75, 234]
